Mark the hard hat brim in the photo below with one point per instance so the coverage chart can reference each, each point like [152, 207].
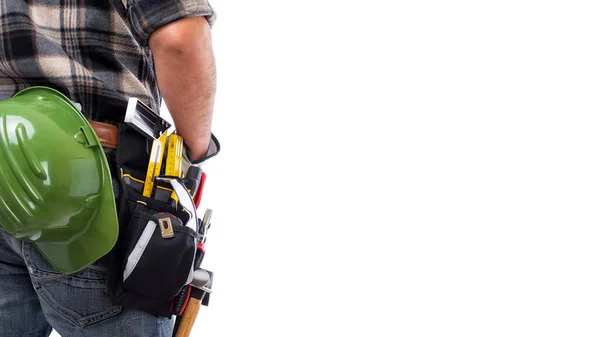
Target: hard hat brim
[96, 242]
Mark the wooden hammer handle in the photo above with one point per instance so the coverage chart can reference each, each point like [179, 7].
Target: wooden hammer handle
[188, 318]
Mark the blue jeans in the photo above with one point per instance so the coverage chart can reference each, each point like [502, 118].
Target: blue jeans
[35, 297]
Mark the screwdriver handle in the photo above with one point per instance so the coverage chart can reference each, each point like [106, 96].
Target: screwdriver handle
[192, 179]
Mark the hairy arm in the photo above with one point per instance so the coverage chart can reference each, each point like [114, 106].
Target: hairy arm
[186, 74]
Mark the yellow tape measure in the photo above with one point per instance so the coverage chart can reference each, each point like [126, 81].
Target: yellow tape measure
[155, 163]
[174, 158]
[174, 155]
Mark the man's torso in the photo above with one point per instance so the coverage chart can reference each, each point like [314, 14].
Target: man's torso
[84, 48]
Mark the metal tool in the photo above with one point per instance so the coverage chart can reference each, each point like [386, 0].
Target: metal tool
[205, 224]
[202, 282]
[185, 200]
[140, 117]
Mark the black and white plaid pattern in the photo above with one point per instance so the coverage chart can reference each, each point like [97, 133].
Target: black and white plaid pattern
[94, 51]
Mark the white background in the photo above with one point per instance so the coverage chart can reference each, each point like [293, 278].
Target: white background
[405, 168]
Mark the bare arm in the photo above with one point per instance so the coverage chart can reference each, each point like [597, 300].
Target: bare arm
[186, 74]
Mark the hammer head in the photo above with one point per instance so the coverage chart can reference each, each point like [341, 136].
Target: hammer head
[202, 280]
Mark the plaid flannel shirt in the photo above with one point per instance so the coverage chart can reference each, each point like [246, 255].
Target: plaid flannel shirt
[94, 51]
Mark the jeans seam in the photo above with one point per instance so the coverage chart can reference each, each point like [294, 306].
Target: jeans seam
[45, 278]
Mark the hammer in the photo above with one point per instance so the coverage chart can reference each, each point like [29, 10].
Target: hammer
[200, 286]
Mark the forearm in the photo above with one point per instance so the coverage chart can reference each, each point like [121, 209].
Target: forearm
[186, 74]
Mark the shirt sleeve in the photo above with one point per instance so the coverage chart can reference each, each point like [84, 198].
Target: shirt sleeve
[146, 16]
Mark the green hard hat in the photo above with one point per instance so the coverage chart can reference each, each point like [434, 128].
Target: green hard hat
[55, 184]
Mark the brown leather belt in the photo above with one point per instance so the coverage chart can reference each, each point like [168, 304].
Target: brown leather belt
[107, 133]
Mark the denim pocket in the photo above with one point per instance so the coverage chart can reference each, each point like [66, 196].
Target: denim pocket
[81, 298]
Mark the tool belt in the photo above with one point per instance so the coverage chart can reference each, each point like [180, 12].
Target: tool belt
[108, 134]
[159, 245]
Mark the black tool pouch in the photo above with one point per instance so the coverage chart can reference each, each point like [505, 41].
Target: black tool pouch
[154, 256]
